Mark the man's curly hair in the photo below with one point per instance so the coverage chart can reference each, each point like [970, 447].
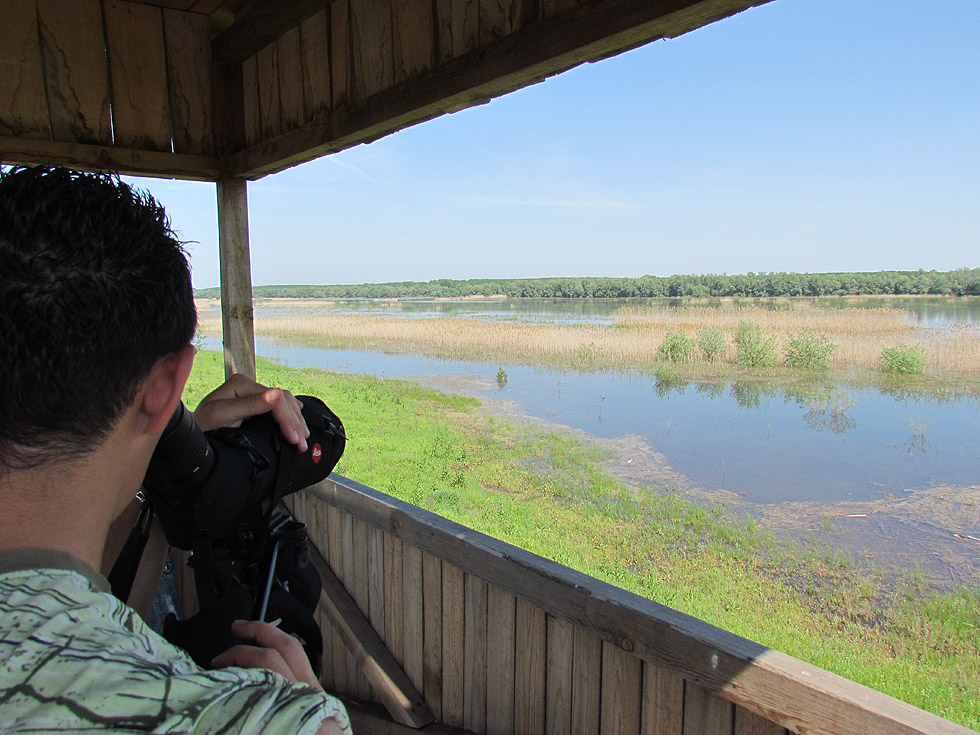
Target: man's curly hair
[94, 289]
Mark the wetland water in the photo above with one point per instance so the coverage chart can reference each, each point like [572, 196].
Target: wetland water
[927, 311]
[890, 477]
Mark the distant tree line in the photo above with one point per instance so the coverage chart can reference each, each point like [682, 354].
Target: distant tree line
[961, 282]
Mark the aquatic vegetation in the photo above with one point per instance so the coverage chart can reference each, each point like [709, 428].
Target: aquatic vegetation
[676, 347]
[904, 359]
[712, 342]
[807, 350]
[753, 349]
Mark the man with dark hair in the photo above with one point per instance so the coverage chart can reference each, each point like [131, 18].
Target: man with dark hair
[96, 319]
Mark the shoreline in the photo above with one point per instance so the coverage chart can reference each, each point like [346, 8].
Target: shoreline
[929, 532]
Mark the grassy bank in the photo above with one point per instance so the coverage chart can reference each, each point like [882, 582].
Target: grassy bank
[549, 494]
[690, 342]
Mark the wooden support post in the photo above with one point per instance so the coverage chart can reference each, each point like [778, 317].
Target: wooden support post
[236, 278]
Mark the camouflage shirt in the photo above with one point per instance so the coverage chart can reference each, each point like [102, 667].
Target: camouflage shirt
[73, 658]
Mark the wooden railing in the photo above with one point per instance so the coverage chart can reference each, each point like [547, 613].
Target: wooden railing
[500, 641]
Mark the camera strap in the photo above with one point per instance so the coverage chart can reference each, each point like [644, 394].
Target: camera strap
[123, 572]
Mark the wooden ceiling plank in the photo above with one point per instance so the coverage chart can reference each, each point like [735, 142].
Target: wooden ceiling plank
[228, 107]
[372, 46]
[551, 7]
[73, 54]
[499, 18]
[23, 107]
[341, 66]
[250, 101]
[291, 86]
[414, 38]
[315, 52]
[138, 69]
[270, 103]
[459, 28]
[189, 81]
[261, 24]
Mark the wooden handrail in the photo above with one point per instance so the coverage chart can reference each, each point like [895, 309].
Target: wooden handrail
[796, 695]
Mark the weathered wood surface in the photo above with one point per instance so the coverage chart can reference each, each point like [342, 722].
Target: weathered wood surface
[637, 668]
[260, 24]
[74, 59]
[453, 641]
[23, 109]
[108, 158]
[138, 72]
[530, 668]
[110, 85]
[315, 60]
[189, 70]
[502, 643]
[475, 653]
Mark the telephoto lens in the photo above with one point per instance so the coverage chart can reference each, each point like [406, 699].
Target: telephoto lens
[182, 461]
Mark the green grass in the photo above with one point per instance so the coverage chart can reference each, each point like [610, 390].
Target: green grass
[548, 493]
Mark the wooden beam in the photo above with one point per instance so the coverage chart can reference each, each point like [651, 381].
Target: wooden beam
[261, 24]
[236, 278]
[587, 32]
[108, 158]
[778, 687]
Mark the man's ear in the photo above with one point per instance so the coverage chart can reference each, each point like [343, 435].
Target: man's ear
[164, 387]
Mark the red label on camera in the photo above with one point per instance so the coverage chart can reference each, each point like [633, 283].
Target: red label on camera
[317, 453]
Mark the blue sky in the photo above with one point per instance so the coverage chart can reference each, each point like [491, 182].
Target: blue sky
[804, 135]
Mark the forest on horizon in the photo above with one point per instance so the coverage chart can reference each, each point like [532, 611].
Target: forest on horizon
[960, 282]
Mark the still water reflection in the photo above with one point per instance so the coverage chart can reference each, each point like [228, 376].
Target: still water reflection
[814, 442]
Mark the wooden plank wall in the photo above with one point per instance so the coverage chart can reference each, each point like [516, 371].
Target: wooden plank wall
[106, 73]
[488, 662]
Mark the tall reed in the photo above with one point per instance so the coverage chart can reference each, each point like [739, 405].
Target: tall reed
[633, 342]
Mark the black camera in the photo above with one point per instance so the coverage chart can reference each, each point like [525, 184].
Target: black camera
[217, 494]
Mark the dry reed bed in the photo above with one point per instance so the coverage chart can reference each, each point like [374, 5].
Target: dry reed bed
[860, 336]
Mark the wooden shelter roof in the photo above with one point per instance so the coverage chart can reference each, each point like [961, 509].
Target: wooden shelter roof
[217, 89]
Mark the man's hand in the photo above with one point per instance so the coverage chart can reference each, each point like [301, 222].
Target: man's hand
[267, 647]
[272, 649]
[239, 397]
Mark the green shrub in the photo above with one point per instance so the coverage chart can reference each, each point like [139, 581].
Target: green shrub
[753, 349]
[712, 343]
[904, 358]
[676, 347]
[808, 350]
